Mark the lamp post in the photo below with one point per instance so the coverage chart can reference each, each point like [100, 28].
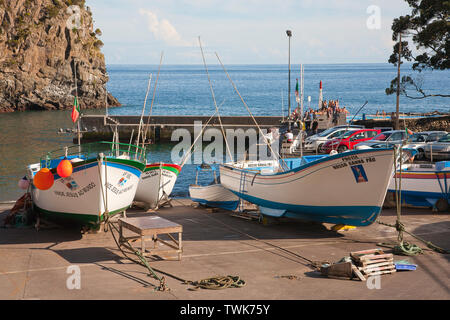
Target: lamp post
[289, 34]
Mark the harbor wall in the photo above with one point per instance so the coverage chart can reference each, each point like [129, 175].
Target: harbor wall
[160, 128]
[438, 123]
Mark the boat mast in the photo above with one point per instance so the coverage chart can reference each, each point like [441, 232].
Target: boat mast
[215, 104]
[143, 110]
[153, 100]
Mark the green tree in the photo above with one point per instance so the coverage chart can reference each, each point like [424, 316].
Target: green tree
[428, 27]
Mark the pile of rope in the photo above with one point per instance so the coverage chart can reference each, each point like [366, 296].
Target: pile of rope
[217, 283]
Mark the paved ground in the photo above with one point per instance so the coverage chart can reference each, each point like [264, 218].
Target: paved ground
[34, 264]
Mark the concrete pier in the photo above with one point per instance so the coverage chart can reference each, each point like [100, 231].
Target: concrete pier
[99, 127]
[270, 258]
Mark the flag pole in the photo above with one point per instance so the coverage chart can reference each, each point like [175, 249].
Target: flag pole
[301, 110]
[76, 97]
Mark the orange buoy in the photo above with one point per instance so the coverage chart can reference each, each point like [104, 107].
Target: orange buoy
[64, 168]
[43, 179]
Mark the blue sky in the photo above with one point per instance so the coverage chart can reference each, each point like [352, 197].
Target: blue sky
[246, 31]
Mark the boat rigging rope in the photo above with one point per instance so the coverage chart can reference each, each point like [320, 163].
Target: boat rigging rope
[215, 103]
[273, 153]
[402, 247]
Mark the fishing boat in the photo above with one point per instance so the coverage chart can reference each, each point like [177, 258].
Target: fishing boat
[156, 183]
[424, 185]
[345, 188]
[103, 182]
[214, 194]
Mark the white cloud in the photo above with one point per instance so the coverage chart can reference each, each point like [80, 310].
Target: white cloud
[163, 30]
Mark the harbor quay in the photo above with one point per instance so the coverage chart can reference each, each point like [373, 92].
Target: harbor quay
[272, 257]
[160, 128]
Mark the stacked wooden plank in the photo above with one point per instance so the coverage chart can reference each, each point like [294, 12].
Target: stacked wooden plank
[373, 262]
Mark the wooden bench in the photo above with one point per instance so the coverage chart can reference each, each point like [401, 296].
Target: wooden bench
[149, 228]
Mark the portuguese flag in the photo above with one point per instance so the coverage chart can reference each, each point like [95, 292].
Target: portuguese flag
[75, 110]
[297, 97]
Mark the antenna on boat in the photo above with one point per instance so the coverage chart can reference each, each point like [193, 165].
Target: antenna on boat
[143, 109]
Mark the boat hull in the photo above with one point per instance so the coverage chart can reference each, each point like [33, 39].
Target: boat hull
[94, 189]
[422, 186]
[214, 196]
[156, 180]
[347, 188]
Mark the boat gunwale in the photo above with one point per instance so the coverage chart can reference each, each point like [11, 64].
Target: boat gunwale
[278, 175]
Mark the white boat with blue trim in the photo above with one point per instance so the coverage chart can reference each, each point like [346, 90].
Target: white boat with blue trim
[345, 188]
[424, 184]
[103, 182]
[214, 194]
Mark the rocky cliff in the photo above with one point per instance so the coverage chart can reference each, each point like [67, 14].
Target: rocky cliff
[44, 46]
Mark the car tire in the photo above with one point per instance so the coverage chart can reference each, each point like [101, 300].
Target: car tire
[420, 154]
[319, 148]
[342, 149]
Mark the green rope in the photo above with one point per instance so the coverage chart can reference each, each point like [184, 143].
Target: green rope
[218, 283]
[214, 283]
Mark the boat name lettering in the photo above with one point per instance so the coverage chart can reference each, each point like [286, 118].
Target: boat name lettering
[353, 160]
[150, 174]
[80, 193]
[86, 189]
[126, 189]
[166, 174]
[117, 191]
[340, 165]
[66, 194]
[349, 158]
[112, 188]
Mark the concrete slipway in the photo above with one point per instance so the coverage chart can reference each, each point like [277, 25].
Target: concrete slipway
[33, 264]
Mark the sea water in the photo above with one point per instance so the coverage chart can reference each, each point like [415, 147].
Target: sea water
[184, 90]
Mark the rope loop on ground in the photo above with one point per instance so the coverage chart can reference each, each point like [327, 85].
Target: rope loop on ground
[218, 283]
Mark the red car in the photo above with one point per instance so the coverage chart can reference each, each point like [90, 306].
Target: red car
[349, 139]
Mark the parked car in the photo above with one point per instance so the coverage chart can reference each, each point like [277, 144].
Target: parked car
[349, 139]
[396, 137]
[317, 141]
[439, 150]
[419, 140]
[330, 130]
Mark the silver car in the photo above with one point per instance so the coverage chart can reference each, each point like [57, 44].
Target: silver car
[388, 137]
[419, 140]
[439, 150]
[315, 143]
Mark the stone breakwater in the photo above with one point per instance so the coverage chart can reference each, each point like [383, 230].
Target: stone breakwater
[41, 44]
[439, 123]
